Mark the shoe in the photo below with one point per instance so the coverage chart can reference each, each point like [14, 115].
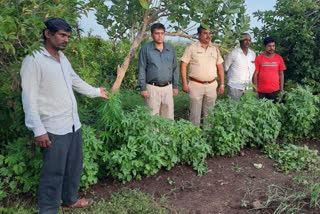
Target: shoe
[81, 203]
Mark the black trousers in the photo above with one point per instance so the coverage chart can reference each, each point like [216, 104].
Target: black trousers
[60, 175]
[271, 96]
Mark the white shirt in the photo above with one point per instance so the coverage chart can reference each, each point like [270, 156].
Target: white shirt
[240, 68]
[47, 93]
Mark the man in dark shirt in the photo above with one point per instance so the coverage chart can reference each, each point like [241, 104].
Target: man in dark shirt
[158, 73]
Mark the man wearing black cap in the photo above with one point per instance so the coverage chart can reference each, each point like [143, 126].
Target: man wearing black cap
[51, 113]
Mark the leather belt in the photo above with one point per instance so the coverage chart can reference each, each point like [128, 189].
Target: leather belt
[159, 84]
[202, 82]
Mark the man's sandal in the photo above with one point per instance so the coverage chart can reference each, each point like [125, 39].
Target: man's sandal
[81, 203]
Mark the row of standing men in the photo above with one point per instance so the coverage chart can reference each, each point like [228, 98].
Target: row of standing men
[158, 76]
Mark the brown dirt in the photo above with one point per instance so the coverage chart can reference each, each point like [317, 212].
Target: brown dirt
[230, 184]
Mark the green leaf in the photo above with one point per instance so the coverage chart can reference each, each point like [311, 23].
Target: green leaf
[144, 4]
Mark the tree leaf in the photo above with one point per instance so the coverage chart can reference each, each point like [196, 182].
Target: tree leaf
[144, 4]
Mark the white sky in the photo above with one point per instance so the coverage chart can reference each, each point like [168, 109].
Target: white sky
[89, 23]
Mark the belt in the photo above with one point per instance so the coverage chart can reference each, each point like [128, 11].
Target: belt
[202, 82]
[159, 84]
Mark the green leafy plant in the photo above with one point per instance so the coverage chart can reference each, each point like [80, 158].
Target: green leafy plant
[232, 125]
[20, 167]
[138, 144]
[300, 113]
[292, 158]
[301, 196]
[92, 152]
[21, 164]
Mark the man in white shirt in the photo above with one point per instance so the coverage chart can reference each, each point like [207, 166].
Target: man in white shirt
[239, 64]
[50, 107]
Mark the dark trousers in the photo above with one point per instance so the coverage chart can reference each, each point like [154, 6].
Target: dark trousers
[270, 96]
[60, 175]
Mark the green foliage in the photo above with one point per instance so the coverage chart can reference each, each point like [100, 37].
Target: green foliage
[139, 144]
[292, 158]
[301, 196]
[96, 61]
[124, 201]
[92, 152]
[232, 125]
[21, 24]
[124, 19]
[21, 163]
[300, 113]
[181, 106]
[295, 26]
[134, 201]
[20, 167]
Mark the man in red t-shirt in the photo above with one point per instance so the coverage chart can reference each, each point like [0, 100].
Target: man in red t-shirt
[268, 77]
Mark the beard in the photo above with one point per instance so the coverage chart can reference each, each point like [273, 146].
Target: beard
[61, 46]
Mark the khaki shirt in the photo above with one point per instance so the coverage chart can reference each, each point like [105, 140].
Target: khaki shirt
[202, 62]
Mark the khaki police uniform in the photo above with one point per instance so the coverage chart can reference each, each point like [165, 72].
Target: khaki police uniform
[202, 78]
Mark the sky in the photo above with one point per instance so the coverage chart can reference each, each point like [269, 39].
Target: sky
[89, 23]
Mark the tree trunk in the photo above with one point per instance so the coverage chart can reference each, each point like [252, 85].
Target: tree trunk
[121, 70]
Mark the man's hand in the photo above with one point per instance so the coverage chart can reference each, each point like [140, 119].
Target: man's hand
[175, 92]
[185, 88]
[43, 141]
[145, 94]
[281, 93]
[221, 90]
[103, 93]
[257, 94]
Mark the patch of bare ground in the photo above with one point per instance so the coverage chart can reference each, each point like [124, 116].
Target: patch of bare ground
[232, 185]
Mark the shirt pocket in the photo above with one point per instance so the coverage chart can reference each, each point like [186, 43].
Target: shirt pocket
[197, 57]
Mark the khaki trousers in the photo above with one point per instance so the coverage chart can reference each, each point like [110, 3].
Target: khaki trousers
[160, 101]
[202, 96]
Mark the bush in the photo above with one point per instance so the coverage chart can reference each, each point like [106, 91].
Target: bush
[92, 152]
[300, 114]
[20, 167]
[232, 125]
[21, 163]
[138, 144]
[292, 158]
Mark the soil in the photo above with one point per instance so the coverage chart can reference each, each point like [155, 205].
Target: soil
[232, 185]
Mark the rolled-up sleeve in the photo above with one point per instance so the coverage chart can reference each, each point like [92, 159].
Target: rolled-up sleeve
[30, 80]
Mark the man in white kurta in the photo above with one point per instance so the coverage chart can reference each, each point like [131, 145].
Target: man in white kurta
[239, 64]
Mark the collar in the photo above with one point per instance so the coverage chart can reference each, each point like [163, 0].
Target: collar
[211, 44]
[44, 51]
[240, 50]
[165, 46]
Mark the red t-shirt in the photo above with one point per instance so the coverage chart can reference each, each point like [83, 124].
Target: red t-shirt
[269, 68]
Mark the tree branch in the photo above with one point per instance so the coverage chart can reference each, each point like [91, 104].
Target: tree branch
[181, 34]
[15, 82]
[153, 16]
